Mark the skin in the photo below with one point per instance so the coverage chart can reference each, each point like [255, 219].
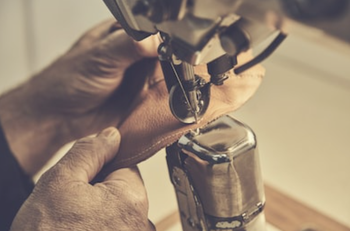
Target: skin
[78, 95]
[63, 199]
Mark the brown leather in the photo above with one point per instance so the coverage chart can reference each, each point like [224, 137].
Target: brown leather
[151, 126]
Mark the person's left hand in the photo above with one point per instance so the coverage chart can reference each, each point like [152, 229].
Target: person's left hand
[64, 199]
[77, 95]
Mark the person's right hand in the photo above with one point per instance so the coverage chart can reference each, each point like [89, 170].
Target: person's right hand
[65, 200]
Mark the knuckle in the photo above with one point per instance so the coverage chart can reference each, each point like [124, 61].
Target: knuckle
[100, 62]
[52, 176]
[89, 144]
[133, 204]
[85, 141]
[135, 197]
[50, 183]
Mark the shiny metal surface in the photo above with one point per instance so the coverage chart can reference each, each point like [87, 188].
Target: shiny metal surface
[196, 30]
[221, 181]
[189, 94]
[224, 136]
[194, 35]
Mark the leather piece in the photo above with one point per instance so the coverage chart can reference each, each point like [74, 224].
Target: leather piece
[151, 126]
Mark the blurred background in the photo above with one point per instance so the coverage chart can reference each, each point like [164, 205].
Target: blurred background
[301, 113]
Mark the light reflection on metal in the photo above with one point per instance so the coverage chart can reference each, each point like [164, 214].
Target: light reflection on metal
[217, 178]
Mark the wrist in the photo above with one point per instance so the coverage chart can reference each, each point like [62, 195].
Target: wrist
[32, 136]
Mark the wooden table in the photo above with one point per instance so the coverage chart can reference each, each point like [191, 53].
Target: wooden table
[283, 212]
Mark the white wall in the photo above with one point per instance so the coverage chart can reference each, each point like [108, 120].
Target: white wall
[300, 113]
[13, 47]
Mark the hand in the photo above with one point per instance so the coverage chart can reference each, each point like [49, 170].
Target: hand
[79, 94]
[64, 200]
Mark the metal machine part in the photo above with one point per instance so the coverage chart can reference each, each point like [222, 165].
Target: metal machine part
[188, 93]
[193, 33]
[194, 27]
[216, 175]
[203, 31]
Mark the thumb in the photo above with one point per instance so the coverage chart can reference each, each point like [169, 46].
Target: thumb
[88, 155]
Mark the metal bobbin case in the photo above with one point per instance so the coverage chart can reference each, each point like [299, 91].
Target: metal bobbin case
[217, 178]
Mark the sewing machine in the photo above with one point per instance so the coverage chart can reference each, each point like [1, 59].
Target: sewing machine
[215, 170]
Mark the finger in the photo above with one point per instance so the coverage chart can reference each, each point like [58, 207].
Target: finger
[130, 180]
[127, 184]
[89, 155]
[96, 33]
[148, 47]
[131, 176]
[121, 47]
[103, 29]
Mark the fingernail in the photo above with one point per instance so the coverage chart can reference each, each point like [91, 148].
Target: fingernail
[109, 132]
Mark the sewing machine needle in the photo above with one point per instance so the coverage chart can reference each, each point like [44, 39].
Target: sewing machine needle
[188, 73]
[190, 96]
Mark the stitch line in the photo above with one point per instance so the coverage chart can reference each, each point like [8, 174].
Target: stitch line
[152, 146]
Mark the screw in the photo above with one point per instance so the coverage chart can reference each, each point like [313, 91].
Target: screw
[177, 180]
[191, 222]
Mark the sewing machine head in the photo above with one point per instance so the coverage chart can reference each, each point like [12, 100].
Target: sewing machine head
[213, 33]
[197, 30]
